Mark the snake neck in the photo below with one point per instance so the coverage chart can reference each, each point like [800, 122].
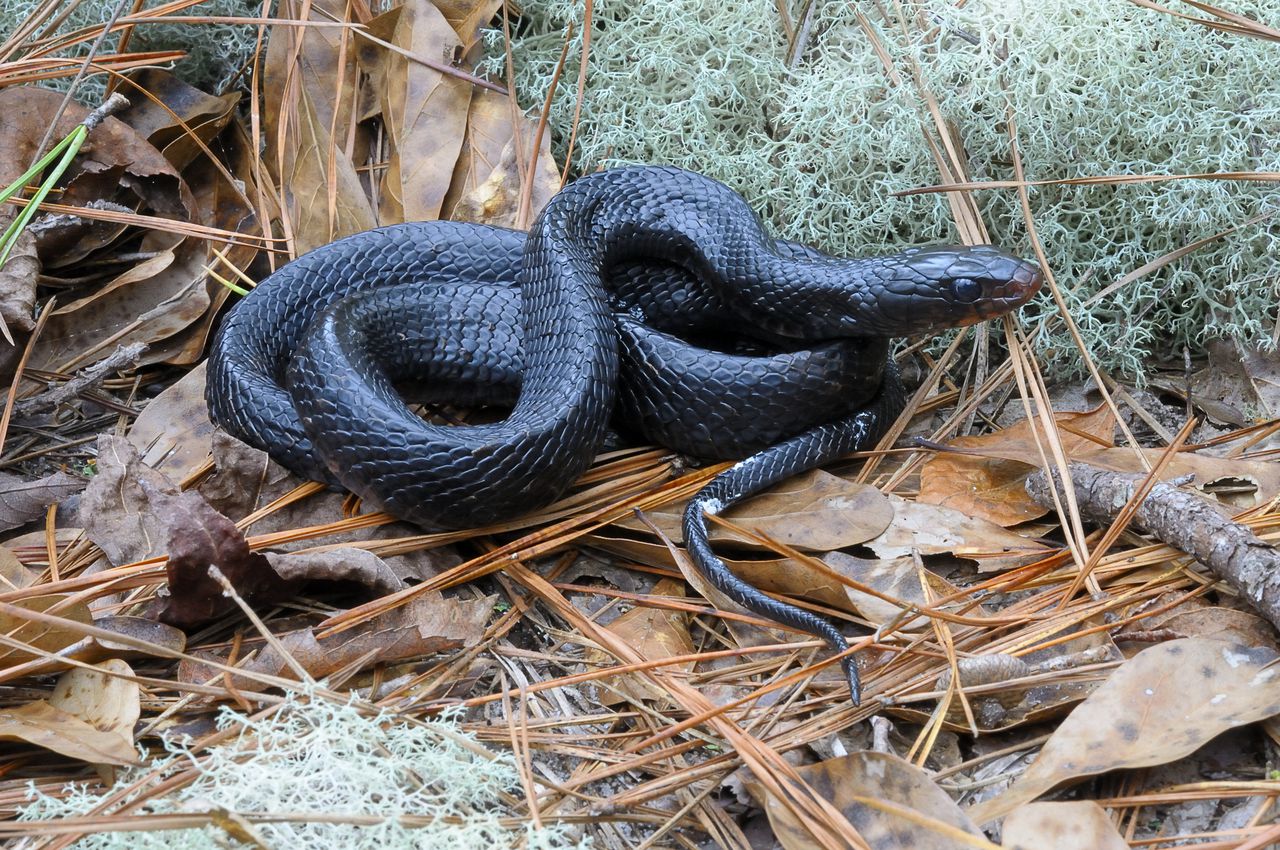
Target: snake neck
[609, 218]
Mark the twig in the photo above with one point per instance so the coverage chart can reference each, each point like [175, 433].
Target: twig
[1183, 520]
[125, 356]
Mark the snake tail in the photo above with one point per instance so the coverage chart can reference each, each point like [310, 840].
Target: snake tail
[815, 447]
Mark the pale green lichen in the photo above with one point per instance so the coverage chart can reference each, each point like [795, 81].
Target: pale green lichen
[1097, 87]
[316, 756]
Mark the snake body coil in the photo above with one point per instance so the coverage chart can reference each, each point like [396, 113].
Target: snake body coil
[308, 372]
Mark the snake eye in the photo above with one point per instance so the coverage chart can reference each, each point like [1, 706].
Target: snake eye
[966, 289]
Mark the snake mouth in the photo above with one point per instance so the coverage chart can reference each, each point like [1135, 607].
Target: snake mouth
[1022, 282]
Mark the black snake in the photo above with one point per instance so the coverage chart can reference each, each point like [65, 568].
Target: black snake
[307, 366]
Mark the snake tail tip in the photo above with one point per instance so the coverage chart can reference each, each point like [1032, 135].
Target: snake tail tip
[855, 683]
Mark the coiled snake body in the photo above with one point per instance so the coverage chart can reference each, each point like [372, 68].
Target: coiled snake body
[306, 366]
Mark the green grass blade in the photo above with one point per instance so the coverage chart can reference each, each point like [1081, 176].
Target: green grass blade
[68, 147]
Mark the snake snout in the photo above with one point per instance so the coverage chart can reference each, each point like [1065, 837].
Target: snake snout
[951, 286]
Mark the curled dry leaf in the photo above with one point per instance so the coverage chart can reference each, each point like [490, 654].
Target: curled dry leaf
[936, 530]
[1230, 625]
[147, 303]
[425, 112]
[427, 625]
[655, 633]
[497, 199]
[1261, 368]
[1238, 379]
[157, 120]
[814, 512]
[897, 579]
[22, 501]
[103, 697]
[1078, 825]
[162, 641]
[990, 484]
[324, 195]
[488, 134]
[18, 278]
[90, 717]
[893, 804]
[358, 566]
[1161, 705]
[41, 724]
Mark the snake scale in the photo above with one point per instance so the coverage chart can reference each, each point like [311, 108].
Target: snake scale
[583, 313]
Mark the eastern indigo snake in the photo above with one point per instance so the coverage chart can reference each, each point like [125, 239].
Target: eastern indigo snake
[617, 260]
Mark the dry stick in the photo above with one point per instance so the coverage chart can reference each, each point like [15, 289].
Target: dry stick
[1126, 513]
[513, 102]
[123, 357]
[1183, 520]
[260, 205]
[524, 209]
[587, 14]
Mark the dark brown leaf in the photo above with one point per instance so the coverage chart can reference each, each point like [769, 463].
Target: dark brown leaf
[157, 120]
[199, 537]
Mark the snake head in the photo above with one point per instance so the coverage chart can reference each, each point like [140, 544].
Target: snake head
[926, 289]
